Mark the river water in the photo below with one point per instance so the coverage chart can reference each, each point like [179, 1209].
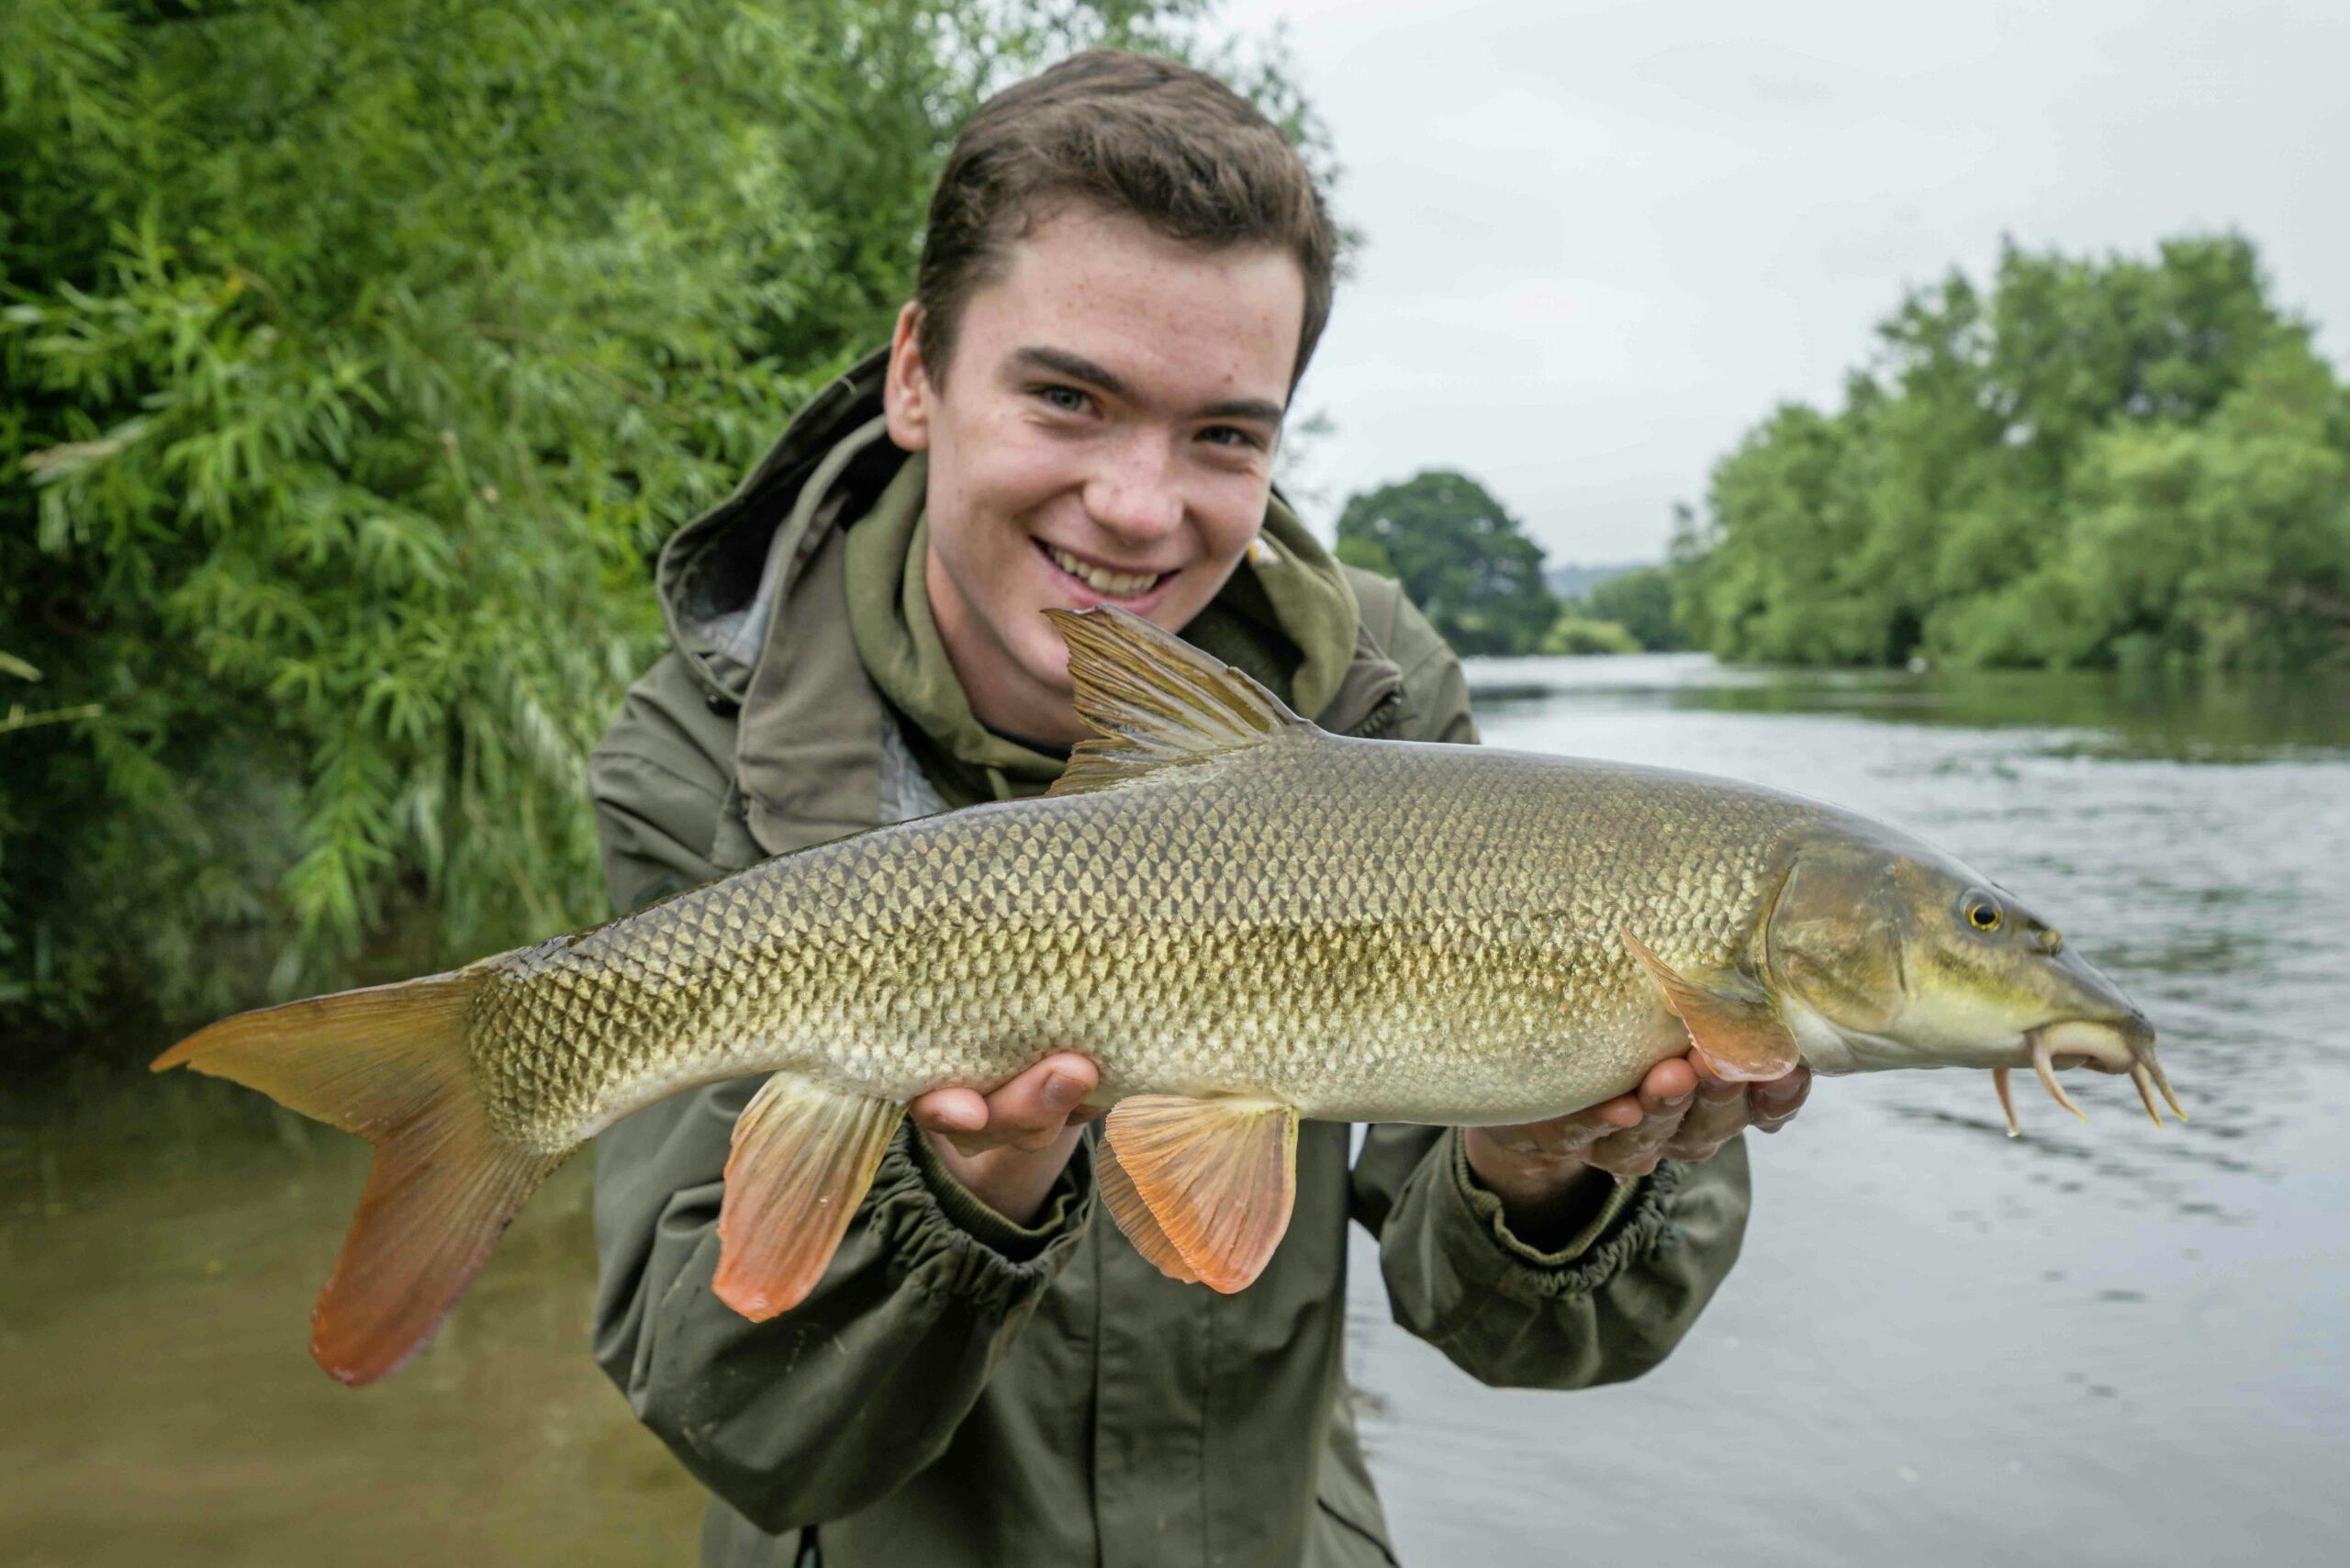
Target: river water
[2099, 1344]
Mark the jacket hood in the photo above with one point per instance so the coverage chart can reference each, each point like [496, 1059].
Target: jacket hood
[720, 575]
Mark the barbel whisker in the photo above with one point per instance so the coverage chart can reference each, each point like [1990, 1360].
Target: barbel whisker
[2046, 1068]
[2007, 1101]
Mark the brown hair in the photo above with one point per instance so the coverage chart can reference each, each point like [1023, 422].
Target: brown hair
[1171, 145]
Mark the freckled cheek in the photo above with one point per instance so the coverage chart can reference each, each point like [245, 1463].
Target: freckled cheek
[1229, 518]
[1016, 473]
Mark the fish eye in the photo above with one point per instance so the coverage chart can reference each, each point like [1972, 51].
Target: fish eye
[1982, 910]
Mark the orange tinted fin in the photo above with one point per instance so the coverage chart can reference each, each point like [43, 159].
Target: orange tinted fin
[803, 1157]
[1219, 1176]
[389, 1063]
[1133, 1215]
[1731, 1019]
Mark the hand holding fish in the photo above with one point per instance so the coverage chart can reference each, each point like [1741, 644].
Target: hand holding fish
[1542, 1170]
[1009, 1146]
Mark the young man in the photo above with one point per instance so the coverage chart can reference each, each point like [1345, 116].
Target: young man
[1123, 278]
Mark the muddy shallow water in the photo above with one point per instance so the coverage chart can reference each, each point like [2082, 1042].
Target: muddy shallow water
[2100, 1344]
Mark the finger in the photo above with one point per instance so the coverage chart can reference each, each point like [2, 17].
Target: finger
[1615, 1116]
[957, 1115]
[1712, 1088]
[1562, 1138]
[1775, 1103]
[1633, 1152]
[949, 1110]
[1669, 1085]
[1033, 1108]
[1717, 1117]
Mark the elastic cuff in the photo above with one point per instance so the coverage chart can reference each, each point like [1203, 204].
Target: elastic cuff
[1488, 1206]
[1628, 1225]
[931, 1249]
[1019, 1243]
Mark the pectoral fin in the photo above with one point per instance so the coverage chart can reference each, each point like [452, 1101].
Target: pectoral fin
[1731, 1019]
[1218, 1178]
[803, 1156]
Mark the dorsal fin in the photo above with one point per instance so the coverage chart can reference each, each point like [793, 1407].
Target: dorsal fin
[1155, 699]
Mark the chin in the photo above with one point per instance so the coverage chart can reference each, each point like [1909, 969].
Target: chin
[1043, 658]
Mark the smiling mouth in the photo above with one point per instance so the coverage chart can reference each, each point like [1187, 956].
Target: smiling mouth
[1101, 579]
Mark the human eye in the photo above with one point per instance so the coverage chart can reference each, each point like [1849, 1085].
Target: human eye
[1061, 398]
[1236, 437]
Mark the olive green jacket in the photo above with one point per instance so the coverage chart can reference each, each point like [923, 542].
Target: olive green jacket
[961, 1390]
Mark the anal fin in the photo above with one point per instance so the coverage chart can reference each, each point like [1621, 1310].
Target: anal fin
[802, 1158]
[1218, 1177]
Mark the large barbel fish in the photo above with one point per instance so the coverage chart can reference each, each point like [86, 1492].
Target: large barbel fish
[1243, 919]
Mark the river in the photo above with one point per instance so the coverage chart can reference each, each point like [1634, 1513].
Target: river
[2102, 1343]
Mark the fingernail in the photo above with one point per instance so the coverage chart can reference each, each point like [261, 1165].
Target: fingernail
[1674, 1102]
[1061, 1091]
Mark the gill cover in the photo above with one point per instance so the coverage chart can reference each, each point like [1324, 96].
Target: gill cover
[1836, 935]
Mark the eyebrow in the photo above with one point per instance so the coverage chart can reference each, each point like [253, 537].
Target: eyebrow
[1059, 362]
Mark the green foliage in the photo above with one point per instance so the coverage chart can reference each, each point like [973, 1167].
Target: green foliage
[2093, 461]
[1463, 560]
[1641, 603]
[357, 357]
[1572, 633]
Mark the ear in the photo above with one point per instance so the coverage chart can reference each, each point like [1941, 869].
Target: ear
[906, 391]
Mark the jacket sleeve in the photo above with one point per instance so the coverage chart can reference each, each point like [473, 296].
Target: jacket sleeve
[1606, 1307]
[1617, 1297]
[832, 1406]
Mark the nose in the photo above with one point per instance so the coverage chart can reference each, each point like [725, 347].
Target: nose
[1133, 492]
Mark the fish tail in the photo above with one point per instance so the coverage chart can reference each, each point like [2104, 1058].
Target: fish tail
[391, 1064]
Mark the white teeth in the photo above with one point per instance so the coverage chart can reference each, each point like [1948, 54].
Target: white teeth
[1118, 585]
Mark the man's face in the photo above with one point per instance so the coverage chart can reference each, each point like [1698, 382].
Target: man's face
[1104, 435]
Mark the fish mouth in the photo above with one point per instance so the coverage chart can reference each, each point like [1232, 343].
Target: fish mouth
[2123, 1045]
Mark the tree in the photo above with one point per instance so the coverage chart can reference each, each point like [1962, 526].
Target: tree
[1463, 559]
[2224, 543]
[1639, 601]
[2090, 457]
[354, 360]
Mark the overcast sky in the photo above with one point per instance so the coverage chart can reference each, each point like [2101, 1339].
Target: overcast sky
[1602, 239]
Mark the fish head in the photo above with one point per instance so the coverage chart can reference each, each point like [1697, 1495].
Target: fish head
[1890, 955]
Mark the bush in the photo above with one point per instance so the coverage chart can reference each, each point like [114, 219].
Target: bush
[1571, 634]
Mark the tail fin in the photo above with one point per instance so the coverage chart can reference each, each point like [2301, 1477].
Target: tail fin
[389, 1063]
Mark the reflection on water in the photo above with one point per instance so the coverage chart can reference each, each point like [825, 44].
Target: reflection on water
[159, 1248]
[2102, 1343]
[2099, 1344]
